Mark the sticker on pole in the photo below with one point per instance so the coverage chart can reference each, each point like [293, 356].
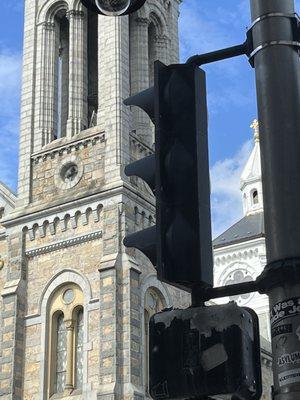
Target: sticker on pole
[289, 377]
[285, 309]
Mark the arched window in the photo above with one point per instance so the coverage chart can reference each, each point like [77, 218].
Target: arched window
[65, 366]
[153, 304]
[62, 73]
[255, 197]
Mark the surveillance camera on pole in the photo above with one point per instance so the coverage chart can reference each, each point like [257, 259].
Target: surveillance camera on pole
[113, 8]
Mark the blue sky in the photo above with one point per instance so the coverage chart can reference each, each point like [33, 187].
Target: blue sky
[205, 25]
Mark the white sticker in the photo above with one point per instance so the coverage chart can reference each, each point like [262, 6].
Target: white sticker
[292, 358]
[288, 377]
[213, 357]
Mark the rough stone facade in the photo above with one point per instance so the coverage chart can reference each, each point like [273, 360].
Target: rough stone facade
[74, 203]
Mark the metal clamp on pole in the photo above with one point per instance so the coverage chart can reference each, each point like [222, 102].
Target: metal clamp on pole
[295, 23]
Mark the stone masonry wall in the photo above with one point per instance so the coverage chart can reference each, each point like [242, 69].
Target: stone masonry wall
[3, 269]
[87, 153]
[46, 259]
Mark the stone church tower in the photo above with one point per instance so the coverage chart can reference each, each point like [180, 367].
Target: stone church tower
[75, 303]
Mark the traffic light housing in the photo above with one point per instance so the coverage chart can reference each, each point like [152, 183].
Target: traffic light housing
[180, 245]
[205, 351]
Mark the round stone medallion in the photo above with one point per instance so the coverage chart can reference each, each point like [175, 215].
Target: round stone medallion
[68, 296]
[69, 173]
[239, 273]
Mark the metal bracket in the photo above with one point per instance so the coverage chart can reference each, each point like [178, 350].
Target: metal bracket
[286, 270]
[271, 15]
[295, 21]
[247, 47]
[272, 43]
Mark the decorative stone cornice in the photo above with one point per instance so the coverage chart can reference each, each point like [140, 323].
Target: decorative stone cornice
[137, 144]
[75, 14]
[48, 26]
[38, 228]
[162, 39]
[63, 244]
[67, 148]
[236, 256]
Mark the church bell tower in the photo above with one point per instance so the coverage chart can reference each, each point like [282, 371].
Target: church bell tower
[75, 304]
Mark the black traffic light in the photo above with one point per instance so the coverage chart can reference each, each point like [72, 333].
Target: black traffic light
[205, 351]
[178, 173]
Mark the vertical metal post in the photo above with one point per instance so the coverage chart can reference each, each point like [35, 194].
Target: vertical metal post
[277, 70]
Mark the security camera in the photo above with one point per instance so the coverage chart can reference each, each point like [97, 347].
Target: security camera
[113, 7]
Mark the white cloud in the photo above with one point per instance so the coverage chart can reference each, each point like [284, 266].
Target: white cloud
[10, 73]
[203, 29]
[226, 198]
[10, 83]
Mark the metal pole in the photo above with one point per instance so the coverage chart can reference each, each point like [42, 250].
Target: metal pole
[277, 70]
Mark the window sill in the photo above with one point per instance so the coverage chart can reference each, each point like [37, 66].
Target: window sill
[66, 394]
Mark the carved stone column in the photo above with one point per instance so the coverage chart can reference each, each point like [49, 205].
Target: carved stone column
[70, 355]
[139, 55]
[77, 116]
[162, 48]
[45, 104]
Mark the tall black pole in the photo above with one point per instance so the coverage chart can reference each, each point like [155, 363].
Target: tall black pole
[277, 69]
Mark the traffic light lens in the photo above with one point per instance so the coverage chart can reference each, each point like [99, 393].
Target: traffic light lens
[113, 7]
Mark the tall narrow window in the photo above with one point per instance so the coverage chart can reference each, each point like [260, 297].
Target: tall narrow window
[146, 352]
[255, 197]
[79, 350]
[151, 51]
[92, 68]
[62, 74]
[61, 355]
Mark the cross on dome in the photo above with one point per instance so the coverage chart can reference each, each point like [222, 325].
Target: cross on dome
[255, 127]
